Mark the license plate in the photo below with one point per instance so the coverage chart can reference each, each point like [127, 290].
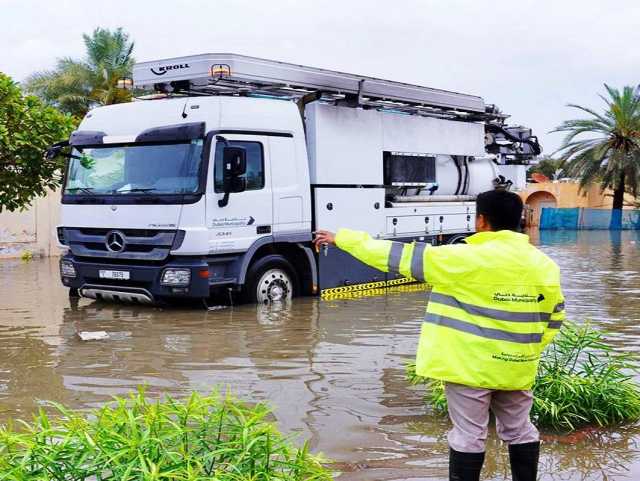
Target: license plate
[120, 275]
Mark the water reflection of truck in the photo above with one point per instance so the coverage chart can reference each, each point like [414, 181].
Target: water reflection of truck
[217, 181]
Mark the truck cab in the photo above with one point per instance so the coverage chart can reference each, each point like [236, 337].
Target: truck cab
[141, 207]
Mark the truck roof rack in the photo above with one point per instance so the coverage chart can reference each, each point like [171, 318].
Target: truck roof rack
[240, 75]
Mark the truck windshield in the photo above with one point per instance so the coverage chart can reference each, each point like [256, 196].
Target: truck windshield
[135, 169]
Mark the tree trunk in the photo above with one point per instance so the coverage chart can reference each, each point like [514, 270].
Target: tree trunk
[618, 200]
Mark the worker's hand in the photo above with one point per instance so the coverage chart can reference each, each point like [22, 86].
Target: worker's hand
[324, 237]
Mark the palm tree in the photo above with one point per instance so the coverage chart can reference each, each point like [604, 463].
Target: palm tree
[75, 86]
[611, 153]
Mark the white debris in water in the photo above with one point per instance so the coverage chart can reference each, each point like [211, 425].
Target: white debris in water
[216, 308]
[93, 335]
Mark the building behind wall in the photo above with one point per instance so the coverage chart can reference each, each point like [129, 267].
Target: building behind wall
[565, 195]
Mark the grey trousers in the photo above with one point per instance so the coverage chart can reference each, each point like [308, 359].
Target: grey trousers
[469, 412]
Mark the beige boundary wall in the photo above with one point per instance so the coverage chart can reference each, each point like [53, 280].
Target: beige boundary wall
[32, 231]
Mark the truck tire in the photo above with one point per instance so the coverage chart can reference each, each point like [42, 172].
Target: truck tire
[270, 279]
[457, 239]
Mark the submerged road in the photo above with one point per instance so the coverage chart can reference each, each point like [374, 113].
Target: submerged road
[333, 370]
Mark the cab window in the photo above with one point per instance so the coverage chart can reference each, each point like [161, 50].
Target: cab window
[255, 165]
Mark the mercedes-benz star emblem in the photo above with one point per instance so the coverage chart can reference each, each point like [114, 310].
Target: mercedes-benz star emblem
[115, 241]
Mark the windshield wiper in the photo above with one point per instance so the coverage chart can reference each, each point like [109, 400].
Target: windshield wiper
[135, 189]
[84, 190]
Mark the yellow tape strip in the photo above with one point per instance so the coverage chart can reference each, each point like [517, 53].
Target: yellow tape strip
[373, 288]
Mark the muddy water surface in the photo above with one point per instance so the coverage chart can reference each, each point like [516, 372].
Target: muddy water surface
[332, 369]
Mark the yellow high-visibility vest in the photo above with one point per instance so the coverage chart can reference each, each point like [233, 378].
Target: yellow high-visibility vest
[494, 305]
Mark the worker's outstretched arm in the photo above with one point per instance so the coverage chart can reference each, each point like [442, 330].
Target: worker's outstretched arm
[384, 255]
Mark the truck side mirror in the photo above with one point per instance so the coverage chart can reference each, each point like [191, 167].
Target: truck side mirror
[234, 160]
[234, 165]
[55, 150]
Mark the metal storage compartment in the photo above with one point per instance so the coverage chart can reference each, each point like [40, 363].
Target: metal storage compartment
[335, 208]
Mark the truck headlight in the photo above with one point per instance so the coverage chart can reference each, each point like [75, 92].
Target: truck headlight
[67, 269]
[176, 277]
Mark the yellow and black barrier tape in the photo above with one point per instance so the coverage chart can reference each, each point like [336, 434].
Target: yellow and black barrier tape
[368, 289]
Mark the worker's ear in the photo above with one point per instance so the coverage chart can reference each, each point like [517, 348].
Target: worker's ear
[482, 225]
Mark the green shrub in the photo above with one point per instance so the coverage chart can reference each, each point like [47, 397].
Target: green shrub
[203, 437]
[581, 381]
[27, 128]
[434, 395]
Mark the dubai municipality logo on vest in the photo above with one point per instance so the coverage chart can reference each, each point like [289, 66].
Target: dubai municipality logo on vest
[511, 297]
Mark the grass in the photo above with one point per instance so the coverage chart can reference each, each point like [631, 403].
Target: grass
[200, 438]
[581, 381]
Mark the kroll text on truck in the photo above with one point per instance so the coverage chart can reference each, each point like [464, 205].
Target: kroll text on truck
[216, 181]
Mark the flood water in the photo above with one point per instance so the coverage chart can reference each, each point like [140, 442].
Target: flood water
[332, 369]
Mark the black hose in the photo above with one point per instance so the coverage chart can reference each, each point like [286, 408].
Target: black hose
[465, 189]
[455, 161]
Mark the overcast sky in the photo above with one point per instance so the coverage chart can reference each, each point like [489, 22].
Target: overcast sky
[530, 58]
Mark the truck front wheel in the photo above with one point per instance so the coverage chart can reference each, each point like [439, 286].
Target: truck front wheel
[271, 279]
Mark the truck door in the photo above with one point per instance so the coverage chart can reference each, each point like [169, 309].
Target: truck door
[249, 214]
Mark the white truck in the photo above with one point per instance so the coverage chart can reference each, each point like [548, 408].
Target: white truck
[215, 182]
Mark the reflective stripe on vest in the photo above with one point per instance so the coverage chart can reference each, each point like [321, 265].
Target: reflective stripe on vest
[554, 324]
[417, 261]
[395, 254]
[496, 314]
[486, 332]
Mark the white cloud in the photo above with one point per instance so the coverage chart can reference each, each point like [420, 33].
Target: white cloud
[529, 57]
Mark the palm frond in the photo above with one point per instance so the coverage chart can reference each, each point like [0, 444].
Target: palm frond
[75, 86]
[611, 152]
[600, 117]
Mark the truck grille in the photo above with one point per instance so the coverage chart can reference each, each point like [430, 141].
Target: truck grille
[129, 232]
[129, 244]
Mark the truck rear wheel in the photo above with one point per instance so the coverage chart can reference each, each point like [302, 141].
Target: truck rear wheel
[271, 279]
[457, 239]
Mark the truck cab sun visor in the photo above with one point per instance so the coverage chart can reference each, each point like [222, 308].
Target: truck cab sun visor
[172, 133]
[87, 137]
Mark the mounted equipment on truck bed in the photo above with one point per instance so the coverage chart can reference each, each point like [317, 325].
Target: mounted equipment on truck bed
[232, 74]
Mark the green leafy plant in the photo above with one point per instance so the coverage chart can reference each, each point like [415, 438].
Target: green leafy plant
[200, 438]
[581, 381]
[547, 166]
[434, 395]
[27, 128]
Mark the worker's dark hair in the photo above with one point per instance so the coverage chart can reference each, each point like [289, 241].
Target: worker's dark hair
[501, 208]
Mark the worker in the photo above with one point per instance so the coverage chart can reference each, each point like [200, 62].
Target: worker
[495, 303]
